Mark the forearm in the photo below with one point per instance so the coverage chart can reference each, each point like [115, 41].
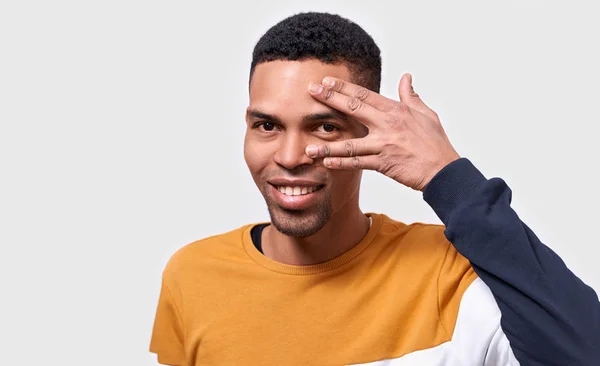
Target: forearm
[548, 314]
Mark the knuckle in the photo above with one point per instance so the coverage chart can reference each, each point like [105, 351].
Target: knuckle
[326, 150]
[329, 93]
[356, 162]
[339, 86]
[349, 146]
[340, 163]
[401, 108]
[354, 104]
[385, 163]
[361, 93]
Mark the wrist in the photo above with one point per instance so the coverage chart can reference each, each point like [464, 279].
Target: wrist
[451, 186]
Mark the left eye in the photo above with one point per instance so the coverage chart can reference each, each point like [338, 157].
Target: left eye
[327, 127]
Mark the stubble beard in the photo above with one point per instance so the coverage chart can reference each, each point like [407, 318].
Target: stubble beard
[300, 223]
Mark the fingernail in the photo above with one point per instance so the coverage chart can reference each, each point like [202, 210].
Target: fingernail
[328, 82]
[327, 161]
[312, 151]
[315, 88]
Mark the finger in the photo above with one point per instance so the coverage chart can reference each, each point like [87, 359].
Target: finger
[361, 93]
[346, 148]
[408, 96]
[351, 106]
[370, 162]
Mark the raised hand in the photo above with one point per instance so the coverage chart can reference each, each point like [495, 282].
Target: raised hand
[406, 140]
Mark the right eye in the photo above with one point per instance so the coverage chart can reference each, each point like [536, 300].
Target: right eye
[266, 126]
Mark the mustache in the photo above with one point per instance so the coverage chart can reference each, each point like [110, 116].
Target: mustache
[307, 173]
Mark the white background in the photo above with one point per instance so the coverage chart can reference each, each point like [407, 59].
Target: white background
[121, 141]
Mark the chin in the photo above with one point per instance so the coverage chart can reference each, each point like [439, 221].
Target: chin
[299, 224]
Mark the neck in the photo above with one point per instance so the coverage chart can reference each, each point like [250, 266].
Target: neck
[343, 231]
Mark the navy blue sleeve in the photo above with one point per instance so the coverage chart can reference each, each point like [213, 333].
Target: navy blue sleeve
[549, 315]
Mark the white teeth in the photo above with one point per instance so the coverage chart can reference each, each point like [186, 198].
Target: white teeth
[295, 191]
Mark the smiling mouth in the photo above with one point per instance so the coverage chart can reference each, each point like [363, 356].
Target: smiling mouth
[298, 191]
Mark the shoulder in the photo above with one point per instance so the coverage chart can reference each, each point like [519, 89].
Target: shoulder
[392, 226]
[416, 238]
[457, 285]
[427, 245]
[213, 249]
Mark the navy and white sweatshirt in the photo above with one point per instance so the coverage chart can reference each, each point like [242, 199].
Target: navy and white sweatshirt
[549, 316]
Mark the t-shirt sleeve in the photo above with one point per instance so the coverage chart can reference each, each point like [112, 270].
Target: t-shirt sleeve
[168, 332]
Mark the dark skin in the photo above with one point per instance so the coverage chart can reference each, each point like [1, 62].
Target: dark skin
[406, 140]
[329, 137]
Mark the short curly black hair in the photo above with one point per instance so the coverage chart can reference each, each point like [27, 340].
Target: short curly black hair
[326, 37]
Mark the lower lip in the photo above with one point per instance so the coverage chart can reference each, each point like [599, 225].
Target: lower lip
[300, 202]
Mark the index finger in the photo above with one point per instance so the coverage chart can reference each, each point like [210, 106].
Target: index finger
[359, 92]
[350, 106]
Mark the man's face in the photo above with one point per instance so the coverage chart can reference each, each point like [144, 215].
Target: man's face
[282, 119]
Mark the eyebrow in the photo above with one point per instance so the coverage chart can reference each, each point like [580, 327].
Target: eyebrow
[334, 114]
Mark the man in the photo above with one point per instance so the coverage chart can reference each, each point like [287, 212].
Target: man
[324, 283]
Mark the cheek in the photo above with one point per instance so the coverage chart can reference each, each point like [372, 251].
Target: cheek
[346, 184]
[257, 156]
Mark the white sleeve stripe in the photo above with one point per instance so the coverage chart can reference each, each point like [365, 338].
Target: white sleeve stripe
[478, 338]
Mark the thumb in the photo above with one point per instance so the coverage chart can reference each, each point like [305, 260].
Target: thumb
[407, 94]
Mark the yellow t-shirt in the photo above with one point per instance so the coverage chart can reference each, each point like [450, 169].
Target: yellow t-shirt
[395, 294]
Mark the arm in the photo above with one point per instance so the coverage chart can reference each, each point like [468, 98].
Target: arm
[549, 315]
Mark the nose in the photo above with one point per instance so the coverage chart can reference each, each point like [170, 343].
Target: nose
[291, 151]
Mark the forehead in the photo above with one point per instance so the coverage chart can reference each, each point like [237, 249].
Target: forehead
[284, 84]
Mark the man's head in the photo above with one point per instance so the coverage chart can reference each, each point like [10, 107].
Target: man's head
[282, 118]
[326, 37]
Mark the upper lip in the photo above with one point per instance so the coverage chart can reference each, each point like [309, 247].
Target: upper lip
[293, 182]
